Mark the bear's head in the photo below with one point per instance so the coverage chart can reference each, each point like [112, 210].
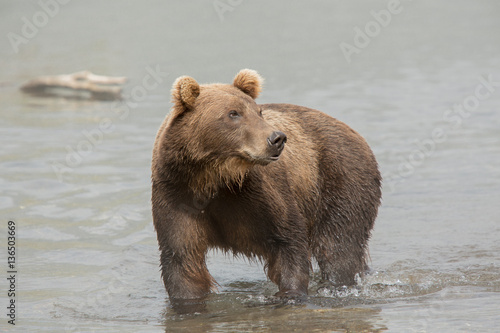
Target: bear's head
[221, 127]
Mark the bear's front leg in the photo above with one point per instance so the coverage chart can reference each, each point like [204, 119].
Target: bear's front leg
[185, 273]
[288, 267]
[183, 247]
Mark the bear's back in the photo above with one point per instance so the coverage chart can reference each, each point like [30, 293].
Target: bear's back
[324, 157]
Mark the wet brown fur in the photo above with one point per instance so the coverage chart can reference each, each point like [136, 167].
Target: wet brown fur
[214, 188]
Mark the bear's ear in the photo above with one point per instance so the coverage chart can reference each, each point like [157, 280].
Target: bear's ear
[184, 92]
[249, 81]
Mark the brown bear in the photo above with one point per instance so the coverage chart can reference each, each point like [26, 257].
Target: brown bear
[276, 182]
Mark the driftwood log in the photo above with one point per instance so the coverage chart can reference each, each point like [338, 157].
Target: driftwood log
[95, 86]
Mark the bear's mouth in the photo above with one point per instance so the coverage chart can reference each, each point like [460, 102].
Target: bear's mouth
[262, 160]
[267, 160]
[274, 158]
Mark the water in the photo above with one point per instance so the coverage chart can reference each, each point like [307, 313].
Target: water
[75, 173]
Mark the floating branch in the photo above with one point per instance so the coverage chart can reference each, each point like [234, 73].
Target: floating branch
[95, 86]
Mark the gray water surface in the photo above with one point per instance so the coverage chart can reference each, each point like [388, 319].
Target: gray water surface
[75, 173]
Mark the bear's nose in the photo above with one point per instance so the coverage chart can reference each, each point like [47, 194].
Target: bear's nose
[277, 139]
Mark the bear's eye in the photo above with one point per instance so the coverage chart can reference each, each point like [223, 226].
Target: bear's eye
[234, 114]
[260, 112]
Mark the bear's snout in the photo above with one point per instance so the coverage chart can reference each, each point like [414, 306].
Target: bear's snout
[276, 142]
